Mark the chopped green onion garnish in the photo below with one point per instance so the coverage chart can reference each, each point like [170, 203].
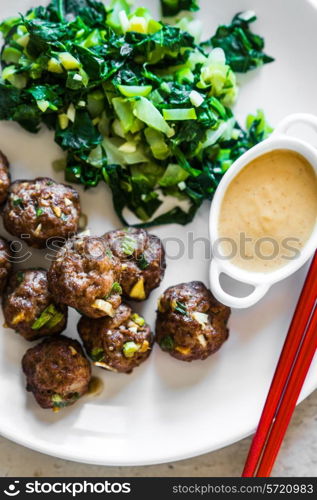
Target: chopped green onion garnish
[39, 212]
[17, 202]
[58, 401]
[50, 317]
[128, 245]
[97, 354]
[167, 343]
[180, 308]
[116, 288]
[130, 348]
[143, 263]
[136, 318]
[20, 277]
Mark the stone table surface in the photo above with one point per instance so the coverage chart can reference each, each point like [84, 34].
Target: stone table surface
[297, 458]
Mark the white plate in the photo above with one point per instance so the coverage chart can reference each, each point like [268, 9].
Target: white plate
[169, 410]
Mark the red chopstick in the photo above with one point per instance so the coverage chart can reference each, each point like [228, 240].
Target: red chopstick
[290, 398]
[294, 353]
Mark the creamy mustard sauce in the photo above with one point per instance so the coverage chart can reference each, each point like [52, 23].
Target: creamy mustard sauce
[273, 203]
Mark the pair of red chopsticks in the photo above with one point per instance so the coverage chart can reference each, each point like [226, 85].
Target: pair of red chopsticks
[295, 360]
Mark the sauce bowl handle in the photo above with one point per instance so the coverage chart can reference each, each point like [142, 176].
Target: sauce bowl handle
[305, 118]
[230, 300]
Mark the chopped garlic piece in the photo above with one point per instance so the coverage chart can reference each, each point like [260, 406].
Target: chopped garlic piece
[105, 306]
[202, 340]
[73, 350]
[57, 211]
[202, 318]
[68, 202]
[38, 230]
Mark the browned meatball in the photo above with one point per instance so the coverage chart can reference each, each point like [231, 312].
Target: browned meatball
[29, 307]
[85, 275]
[41, 210]
[5, 263]
[4, 178]
[142, 258]
[118, 344]
[191, 324]
[57, 372]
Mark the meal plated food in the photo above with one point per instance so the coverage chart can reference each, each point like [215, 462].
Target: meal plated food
[57, 372]
[142, 258]
[41, 211]
[118, 344]
[191, 324]
[29, 307]
[85, 275]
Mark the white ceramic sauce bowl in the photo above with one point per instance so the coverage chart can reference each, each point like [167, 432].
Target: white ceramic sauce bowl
[261, 281]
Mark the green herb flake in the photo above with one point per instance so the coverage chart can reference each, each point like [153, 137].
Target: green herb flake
[180, 308]
[136, 318]
[116, 288]
[18, 202]
[39, 212]
[20, 276]
[142, 262]
[167, 343]
[97, 354]
[58, 401]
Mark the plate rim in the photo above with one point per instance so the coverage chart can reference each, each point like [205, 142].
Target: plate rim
[143, 463]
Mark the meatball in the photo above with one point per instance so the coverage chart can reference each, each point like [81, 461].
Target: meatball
[85, 275]
[4, 178]
[118, 344]
[191, 324]
[29, 307]
[142, 258]
[5, 263]
[41, 210]
[57, 372]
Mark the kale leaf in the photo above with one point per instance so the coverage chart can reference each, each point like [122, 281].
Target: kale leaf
[136, 103]
[243, 48]
[173, 7]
